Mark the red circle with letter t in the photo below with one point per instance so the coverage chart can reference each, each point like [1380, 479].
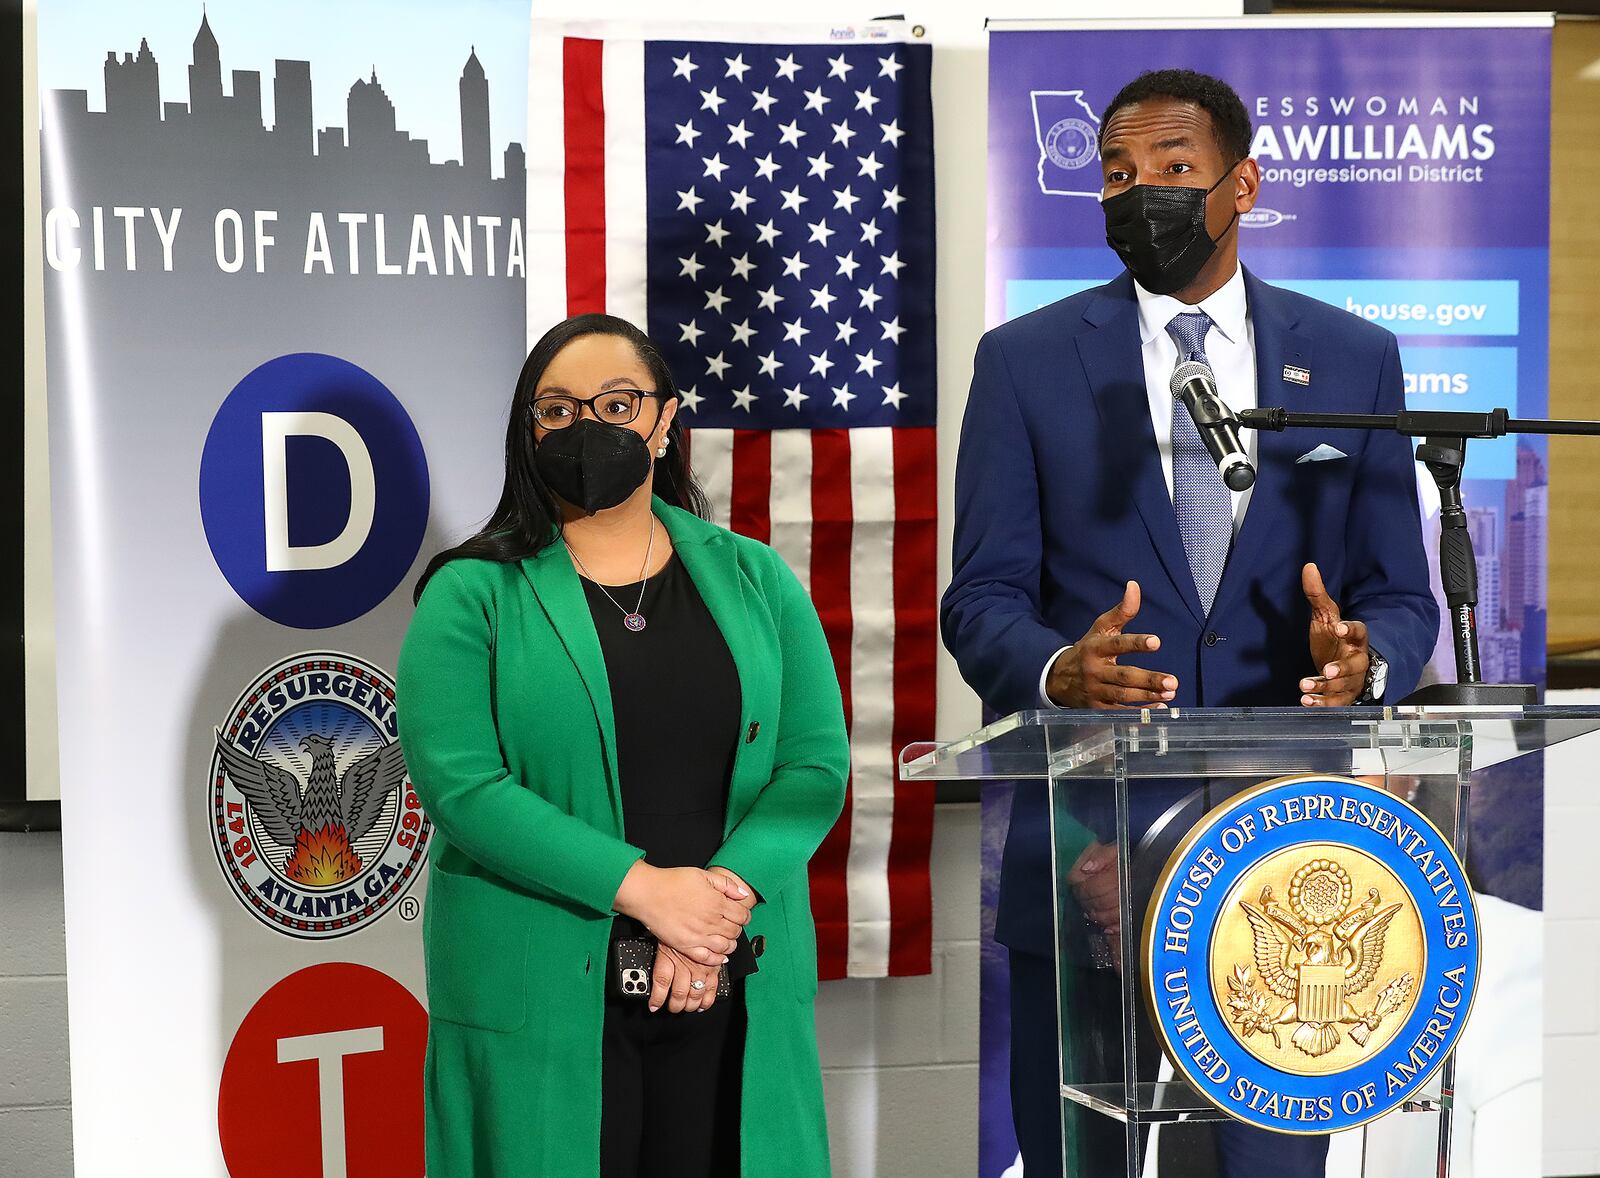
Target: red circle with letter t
[324, 1077]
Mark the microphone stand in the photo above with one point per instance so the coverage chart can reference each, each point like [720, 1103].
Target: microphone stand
[1443, 450]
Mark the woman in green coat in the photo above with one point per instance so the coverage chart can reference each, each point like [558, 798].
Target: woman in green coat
[569, 717]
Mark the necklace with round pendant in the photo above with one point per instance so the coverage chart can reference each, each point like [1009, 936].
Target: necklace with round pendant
[633, 620]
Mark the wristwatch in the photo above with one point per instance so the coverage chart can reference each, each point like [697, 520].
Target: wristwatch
[1377, 677]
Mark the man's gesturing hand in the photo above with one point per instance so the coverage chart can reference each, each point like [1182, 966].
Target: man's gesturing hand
[1338, 649]
[1087, 674]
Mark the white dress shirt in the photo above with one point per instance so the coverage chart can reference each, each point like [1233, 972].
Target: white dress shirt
[1230, 345]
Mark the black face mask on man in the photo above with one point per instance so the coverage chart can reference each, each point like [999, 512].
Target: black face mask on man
[592, 464]
[1159, 232]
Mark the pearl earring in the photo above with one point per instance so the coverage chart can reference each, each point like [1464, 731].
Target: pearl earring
[661, 453]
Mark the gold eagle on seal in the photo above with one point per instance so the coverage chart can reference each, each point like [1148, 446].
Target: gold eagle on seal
[1315, 956]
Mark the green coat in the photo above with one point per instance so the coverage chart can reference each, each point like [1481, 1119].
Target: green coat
[507, 728]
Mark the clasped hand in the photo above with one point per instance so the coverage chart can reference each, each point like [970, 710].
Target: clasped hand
[1090, 673]
[1093, 880]
[696, 916]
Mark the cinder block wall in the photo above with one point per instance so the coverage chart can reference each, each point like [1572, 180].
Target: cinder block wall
[35, 1097]
[899, 1056]
[1571, 952]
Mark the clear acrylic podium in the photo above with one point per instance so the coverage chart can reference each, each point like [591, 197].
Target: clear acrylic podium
[1139, 781]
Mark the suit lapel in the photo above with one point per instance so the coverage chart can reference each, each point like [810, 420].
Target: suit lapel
[707, 555]
[555, 585]
[1114, 365]
[1278, 342]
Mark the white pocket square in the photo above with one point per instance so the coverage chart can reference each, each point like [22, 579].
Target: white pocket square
[1323, 453]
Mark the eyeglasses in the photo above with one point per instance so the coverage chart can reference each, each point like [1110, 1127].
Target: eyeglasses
[614, 406]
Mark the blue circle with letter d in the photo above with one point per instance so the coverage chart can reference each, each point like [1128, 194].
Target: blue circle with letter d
[313, 490]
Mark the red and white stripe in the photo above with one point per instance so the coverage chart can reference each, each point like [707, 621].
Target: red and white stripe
[851, 511]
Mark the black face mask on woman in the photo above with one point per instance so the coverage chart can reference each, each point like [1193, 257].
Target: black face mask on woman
[592, 464]
[1159, 232]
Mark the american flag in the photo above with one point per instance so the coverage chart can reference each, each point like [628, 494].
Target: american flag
[762, 202]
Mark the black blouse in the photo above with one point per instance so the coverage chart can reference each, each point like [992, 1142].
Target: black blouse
[676, 703]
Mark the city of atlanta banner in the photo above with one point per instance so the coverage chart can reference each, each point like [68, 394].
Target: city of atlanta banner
[284, 279]
[1405, 167]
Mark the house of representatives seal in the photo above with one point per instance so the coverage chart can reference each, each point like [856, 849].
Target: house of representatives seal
[1311, 954]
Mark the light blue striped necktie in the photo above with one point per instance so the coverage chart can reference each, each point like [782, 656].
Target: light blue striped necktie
[1203, 505]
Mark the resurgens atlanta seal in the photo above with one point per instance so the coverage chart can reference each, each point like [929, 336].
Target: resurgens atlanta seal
[313, 818]
[1311, 954]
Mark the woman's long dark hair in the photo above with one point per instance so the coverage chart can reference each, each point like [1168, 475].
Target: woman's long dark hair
[527, 518]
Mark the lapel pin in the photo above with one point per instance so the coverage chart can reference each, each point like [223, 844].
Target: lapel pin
[1295, 375]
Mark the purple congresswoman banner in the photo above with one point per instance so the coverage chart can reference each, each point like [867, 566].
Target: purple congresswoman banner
[1404, 168]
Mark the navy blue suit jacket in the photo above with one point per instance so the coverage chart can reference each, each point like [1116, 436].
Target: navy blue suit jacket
[1060, 500]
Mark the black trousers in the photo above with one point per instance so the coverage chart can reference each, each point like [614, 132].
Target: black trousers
[670, 1090]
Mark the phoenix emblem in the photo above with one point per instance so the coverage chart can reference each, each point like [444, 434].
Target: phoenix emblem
[321, 824]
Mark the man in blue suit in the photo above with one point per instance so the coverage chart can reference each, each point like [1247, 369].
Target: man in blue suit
[1100, 562]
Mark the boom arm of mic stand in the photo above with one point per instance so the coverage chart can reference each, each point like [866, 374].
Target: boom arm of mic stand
[1419, 423]
[1413, 422]
[1442, 450]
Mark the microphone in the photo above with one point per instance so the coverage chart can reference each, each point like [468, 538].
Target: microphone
[1194, 384]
